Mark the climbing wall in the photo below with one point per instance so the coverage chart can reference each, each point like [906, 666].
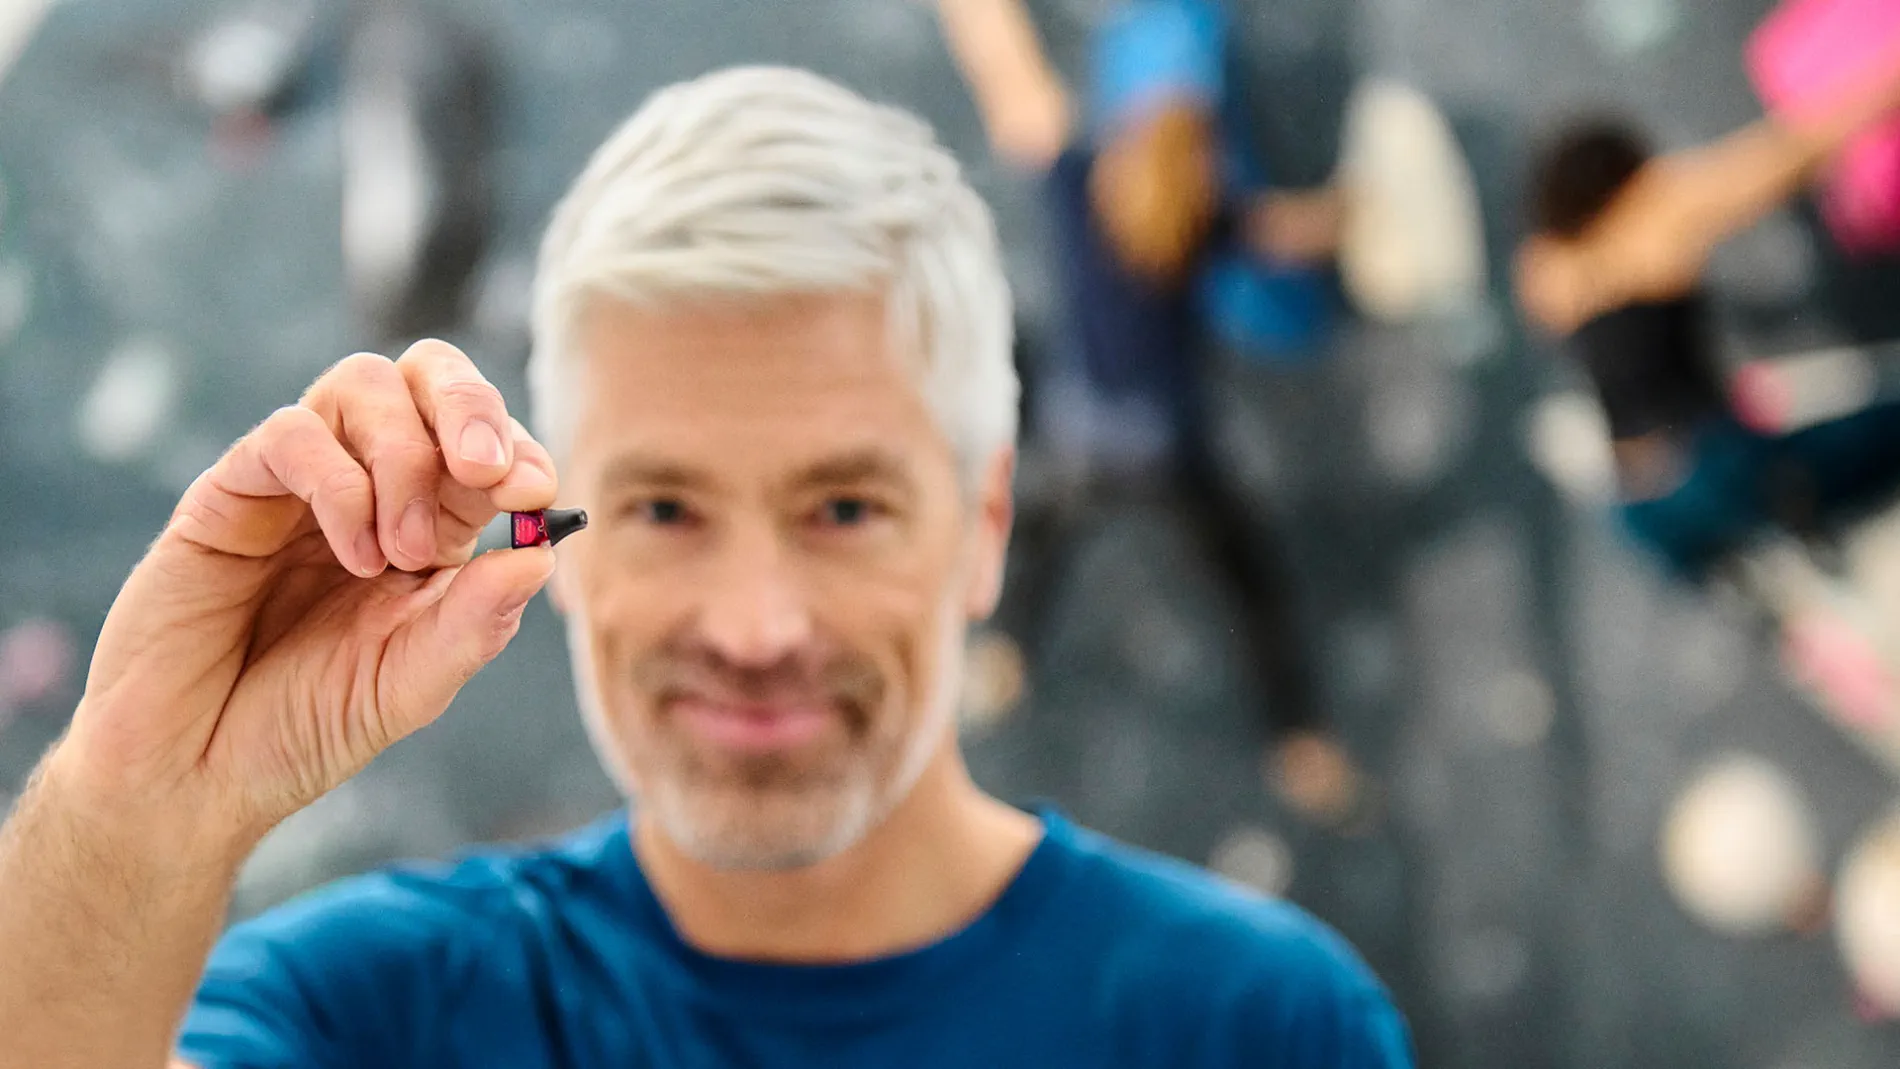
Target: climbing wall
[1526, 696]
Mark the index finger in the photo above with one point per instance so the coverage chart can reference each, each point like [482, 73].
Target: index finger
[463, 411]
[254, 499]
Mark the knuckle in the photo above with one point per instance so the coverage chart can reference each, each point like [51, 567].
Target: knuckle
[341, 485]
[432, 350]
[200, 510]
[470, 395]
[288, 435]
[290, 420]
[353, 375]
[405, 456]
[362, 367]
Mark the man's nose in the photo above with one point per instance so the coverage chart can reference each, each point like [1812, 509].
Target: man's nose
[755, 611]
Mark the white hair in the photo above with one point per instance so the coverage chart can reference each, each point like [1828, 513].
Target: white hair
[768, 180]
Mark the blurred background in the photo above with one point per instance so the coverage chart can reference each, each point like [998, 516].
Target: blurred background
[1589, 818]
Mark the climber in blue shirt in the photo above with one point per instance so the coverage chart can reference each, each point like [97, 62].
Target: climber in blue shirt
[1166, 242]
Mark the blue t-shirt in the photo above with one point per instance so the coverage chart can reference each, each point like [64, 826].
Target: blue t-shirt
[1095, 955]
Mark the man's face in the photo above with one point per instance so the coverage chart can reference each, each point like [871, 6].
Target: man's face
[767, 611]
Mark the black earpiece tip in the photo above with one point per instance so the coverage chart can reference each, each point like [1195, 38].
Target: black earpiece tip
[564, 522]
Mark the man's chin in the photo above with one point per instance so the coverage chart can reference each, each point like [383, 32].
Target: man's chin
[763, 857]
[745, 829]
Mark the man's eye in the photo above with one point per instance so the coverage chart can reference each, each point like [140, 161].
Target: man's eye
[663, 511]
[846, 511]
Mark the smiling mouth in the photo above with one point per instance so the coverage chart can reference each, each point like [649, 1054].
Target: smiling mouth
[753, 727]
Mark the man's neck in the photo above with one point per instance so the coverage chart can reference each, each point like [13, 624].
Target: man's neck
[935, 864]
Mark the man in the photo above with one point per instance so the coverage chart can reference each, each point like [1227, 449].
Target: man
[773, 361]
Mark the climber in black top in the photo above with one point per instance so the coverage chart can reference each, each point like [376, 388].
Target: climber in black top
[1621, 238]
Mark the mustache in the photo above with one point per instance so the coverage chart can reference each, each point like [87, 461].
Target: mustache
[852, 683]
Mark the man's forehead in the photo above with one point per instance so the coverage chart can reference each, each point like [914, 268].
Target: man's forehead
[743, 335]
[778, 383]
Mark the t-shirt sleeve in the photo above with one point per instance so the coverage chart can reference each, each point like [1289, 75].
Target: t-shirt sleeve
[1364, 1031]
[1310, 1002]
[347, 977]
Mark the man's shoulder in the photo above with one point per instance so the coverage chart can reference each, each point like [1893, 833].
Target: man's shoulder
[371, 962]
[427, 902]
[1172, 924]
[1188, 957]
[1165, 901]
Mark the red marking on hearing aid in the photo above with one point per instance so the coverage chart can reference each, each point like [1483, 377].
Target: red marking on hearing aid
[531, 529]
[543, 527]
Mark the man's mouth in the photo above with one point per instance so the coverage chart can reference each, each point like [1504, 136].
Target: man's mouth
[751, 726]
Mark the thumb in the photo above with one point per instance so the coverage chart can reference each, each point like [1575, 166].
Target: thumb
[429, 659]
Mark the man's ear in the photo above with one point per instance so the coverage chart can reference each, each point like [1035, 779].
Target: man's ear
[994, 508]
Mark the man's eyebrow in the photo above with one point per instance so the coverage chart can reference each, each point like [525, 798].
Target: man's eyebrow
[643, 469]
[867, 465]
[871, 464]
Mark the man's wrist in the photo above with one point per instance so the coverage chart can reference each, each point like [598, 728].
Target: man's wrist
[168, 839]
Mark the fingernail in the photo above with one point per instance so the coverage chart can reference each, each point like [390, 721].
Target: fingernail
[369, 555]
[415, 534]
[481, 444]
[527, 477]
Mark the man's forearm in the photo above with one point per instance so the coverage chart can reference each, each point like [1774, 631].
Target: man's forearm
[105, 921]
